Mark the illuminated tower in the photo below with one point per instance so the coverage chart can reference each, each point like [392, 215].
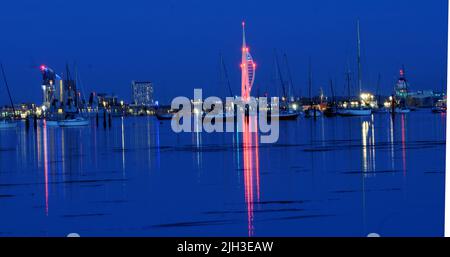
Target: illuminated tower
[48, 85]
[401, 88]
[247, 69]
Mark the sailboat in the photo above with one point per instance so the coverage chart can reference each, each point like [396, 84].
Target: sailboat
[9, 122]
[331, 110]
[379, 107]
[72, 115]
[359, 110]
[285, 112]
[312, 110]
[227, 114]
[440, 106]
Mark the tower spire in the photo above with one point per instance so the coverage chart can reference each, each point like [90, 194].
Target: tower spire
[243, 34]
[247, 68]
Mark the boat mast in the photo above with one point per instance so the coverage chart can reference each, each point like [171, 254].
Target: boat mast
[310, 82]
[291, 84]
[348, 79]
[359, 58]
[332, 91]
[7, 89]
[378, 88]
[280, 76]
[222, 63]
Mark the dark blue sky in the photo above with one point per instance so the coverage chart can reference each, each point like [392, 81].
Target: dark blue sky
[176, 44]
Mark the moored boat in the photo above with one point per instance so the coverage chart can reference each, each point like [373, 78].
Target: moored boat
[9, 122]
[330, 111]
[439, 109]
[73, 122]
[400, 110]
[312, 112]
[440, 106]
[354, 111]
[164, 116]
[286, 115]
[51, 123]
[359, 108]
[380, 110]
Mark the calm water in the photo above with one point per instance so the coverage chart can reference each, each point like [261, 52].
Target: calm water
[329, 177]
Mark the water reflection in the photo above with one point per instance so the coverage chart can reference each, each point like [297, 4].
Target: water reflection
[391, 141]
[250, 153]
[403, 119]
[368, 146]
[329, 177]
[123, 144]
[45, 142]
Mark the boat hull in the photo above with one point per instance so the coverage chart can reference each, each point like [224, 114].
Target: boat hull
[164, 116]
[286, 116]
[312, 113]
[380, 110]
[51, 123]
[330, 112]
[73, 123]
[438, 110]
[401, 110]
[354, 112]
[225, 117]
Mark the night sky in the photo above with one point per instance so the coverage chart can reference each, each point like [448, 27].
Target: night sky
[176, 44]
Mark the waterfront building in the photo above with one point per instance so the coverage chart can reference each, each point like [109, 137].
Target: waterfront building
[424, 98]
[142, 93]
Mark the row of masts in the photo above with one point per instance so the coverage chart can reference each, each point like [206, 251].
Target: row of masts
[287, 85]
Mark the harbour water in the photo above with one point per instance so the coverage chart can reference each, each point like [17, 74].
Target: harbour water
[343, 176]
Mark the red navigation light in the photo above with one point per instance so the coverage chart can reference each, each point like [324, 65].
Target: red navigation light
[43, 68]
[402, 72]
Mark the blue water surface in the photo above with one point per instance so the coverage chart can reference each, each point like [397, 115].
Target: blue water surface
[343, 176]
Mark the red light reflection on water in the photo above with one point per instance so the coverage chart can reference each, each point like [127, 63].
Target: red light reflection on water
[251, 168]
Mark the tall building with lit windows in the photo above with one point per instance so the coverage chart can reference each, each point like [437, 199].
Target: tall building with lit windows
[142, 93]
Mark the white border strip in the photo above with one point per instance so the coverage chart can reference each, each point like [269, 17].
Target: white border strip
[447, 148]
